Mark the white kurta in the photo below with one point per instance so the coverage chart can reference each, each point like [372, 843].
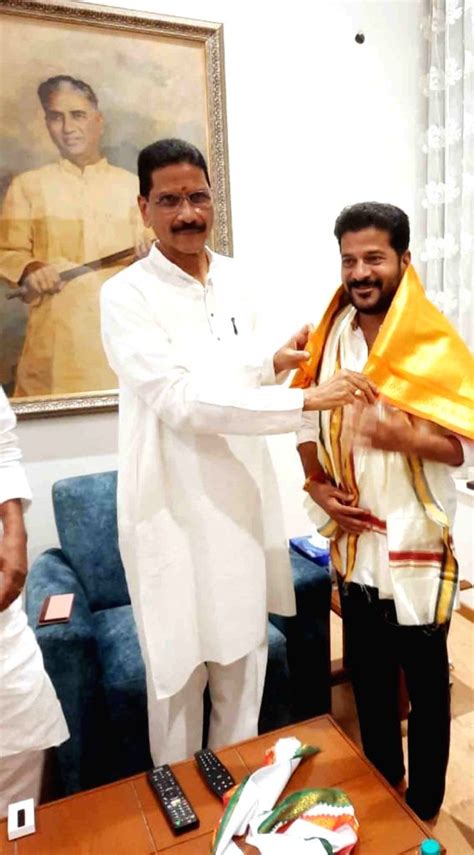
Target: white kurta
[31, 718]
[200, 521]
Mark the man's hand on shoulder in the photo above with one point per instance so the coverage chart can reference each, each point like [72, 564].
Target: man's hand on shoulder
[13, 557]
[293, 352]
[345, 387]
[397, 431]
[390, 432]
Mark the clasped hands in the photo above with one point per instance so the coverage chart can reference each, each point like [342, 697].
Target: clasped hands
[384, 428]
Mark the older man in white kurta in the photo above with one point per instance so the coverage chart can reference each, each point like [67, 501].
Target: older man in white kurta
[204, 562]
[200, 522]
[31, 718]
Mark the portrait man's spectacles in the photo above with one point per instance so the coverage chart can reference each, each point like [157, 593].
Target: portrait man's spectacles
[173, 201]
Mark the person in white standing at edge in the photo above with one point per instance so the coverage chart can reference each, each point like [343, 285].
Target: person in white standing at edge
[200, 522]
[31, 718]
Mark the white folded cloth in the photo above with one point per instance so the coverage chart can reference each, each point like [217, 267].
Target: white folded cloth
[299, 824]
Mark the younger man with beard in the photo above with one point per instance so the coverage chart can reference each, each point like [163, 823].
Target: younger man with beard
[381, 490]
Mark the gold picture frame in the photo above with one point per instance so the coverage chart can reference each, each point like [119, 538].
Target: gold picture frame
[155, 76]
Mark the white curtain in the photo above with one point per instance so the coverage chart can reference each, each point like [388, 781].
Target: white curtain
[449, 146]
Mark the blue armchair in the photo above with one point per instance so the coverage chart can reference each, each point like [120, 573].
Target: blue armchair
[94, 661]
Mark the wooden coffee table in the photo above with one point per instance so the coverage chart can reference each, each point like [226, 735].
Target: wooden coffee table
[124, 819]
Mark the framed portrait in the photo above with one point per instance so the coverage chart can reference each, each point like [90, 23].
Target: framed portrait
[84, 88]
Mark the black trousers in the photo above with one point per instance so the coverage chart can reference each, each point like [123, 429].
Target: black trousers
[376, 647]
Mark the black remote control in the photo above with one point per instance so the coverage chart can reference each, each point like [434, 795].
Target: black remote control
[215, 774]
[174, 803]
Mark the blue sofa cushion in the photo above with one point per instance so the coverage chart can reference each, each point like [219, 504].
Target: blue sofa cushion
[307, 637]
[123, 684]
[118, 649]
[86, 519]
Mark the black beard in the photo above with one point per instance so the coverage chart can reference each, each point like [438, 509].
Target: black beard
[381, 306]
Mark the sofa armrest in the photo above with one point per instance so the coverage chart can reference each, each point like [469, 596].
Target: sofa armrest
[308, 640]
[70, 658]
[51, 574]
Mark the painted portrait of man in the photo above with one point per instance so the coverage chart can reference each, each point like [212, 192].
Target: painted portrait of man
[69, 217]
[78, 209]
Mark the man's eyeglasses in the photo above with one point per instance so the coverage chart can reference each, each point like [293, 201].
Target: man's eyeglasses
[173, 201]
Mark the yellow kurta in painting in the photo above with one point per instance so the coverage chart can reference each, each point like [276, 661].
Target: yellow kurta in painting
[61, 215]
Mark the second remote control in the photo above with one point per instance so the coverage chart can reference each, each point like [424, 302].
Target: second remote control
[215, 774]
[176, 807]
